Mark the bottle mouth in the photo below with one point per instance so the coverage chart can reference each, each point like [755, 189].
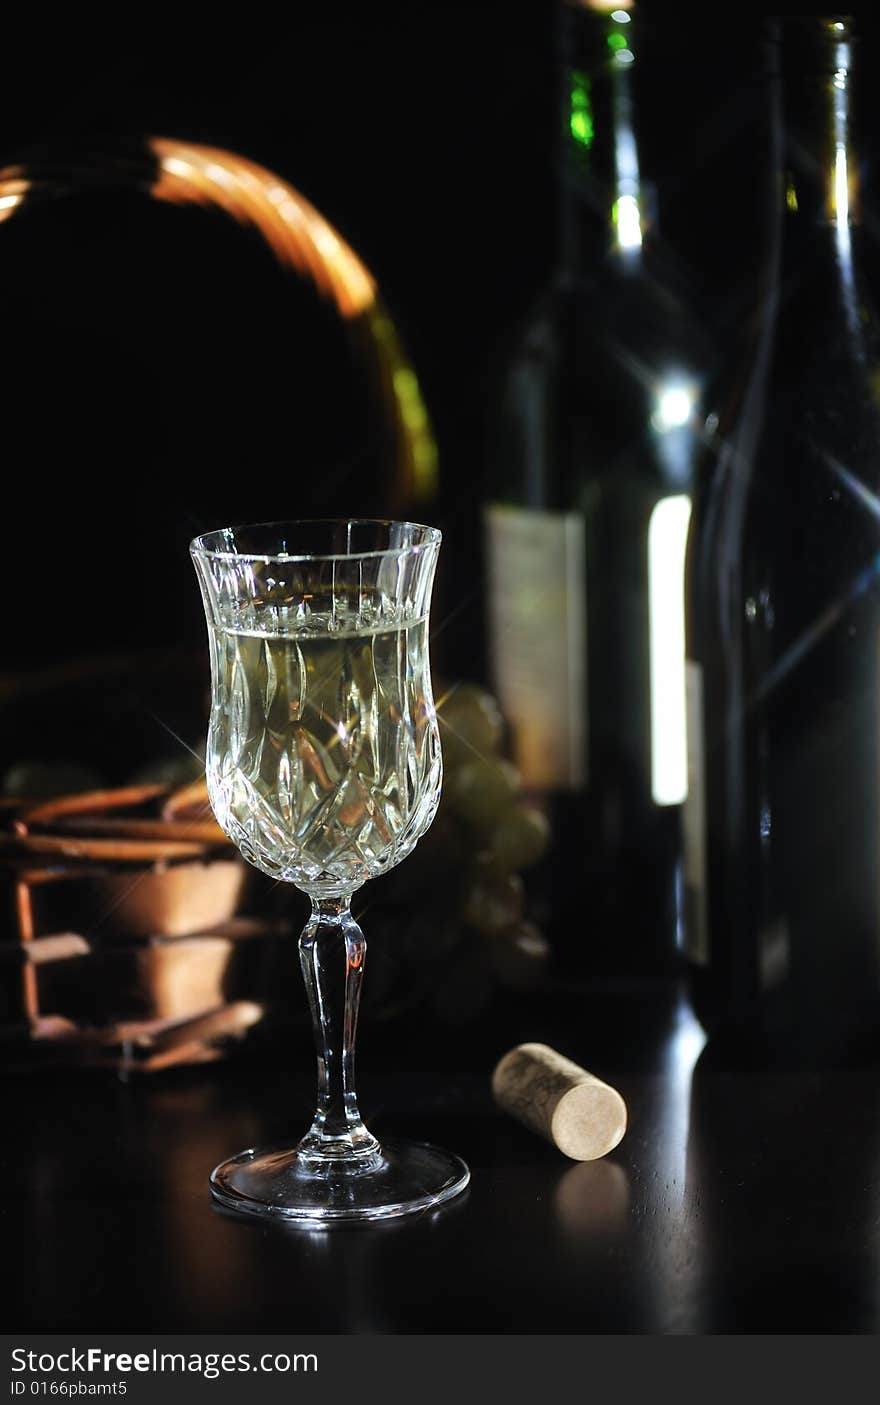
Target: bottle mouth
[806, 45]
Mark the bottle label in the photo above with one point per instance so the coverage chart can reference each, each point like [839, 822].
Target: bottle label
[538, 639]
[696, 930]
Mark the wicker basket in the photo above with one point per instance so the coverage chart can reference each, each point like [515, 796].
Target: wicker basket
[132, 942]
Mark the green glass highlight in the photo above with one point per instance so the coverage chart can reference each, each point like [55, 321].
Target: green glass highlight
[581, 115]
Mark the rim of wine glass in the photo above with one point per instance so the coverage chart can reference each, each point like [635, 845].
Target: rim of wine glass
[432, 538]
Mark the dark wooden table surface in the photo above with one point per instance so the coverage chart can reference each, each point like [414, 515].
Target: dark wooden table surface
[737, 1202]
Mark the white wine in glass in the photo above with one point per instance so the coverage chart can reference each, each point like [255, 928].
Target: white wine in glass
[321, 758]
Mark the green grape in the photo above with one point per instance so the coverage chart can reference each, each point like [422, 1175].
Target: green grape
[493, 902]
[471, 725]
[519, 840]
[521, 956]
[480, 791]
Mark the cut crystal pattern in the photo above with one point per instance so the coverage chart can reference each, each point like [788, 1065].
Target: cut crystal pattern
[323, 755]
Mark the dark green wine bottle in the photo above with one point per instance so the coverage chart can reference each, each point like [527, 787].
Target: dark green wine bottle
[592, 457]
[783, 599]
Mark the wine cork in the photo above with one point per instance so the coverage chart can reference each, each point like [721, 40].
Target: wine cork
[584, 1117]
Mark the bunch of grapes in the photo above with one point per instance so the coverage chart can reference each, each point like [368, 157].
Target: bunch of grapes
[453, 917]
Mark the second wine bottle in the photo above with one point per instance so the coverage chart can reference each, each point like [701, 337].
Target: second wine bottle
[595, 438]
[783, 810]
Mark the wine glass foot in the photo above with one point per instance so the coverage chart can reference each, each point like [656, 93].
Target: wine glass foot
[401, 1178]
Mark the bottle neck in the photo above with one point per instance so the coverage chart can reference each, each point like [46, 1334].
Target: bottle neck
[602, 197]
[815, 68]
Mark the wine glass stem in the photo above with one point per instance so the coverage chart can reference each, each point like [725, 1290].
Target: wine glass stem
[332, 951]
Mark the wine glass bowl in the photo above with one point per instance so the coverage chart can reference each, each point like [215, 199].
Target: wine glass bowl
[323, 756]
[324, 767]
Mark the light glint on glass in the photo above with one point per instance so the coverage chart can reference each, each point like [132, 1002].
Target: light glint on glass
[580, 120]
[840, 178]
[675, 405]
[582, 128]
[667, 542]
[628, 222]
[841, 187]
[626, 213]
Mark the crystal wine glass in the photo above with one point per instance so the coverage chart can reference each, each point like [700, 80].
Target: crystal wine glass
[324, 768]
